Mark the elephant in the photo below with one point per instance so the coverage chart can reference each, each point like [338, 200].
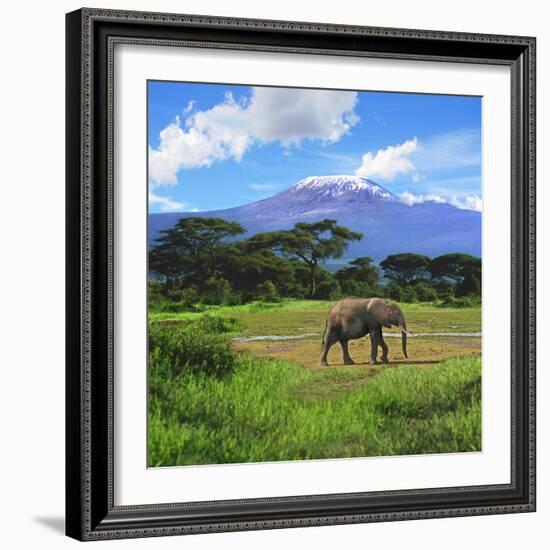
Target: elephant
[353, 318]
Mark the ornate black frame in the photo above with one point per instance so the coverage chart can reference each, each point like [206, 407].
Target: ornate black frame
[90, 510]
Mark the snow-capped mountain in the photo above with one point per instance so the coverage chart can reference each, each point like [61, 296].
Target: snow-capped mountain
[336, 186]
[388, 225]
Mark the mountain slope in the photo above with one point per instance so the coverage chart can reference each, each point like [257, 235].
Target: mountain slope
[389, 226]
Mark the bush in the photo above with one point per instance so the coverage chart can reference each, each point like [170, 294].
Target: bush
[361, 289]
[444, 289]
[424, 292]
[235, 298]
[216, 291]
[408, 295]
[328, 289]
[214, 324]
[190, 349]
[267, 292]
[394, 292]
[463, 301]
[187, 295]
[163, 305]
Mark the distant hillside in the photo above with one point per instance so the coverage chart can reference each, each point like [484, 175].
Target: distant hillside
[389, 226]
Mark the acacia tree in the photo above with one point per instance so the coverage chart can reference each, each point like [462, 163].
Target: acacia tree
[310, 243]
[192, 246]
[455, 266]
[361, 269]
[405, 268]
[463, 269]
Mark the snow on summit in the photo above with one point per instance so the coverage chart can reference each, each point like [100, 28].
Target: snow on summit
[333, 186]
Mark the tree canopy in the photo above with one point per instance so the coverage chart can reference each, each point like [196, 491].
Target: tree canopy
[405, 268]
[192, 246]
[310, 243]
[455, 266]
[207, 260]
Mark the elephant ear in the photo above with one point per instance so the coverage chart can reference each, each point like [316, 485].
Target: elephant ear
[380, 310]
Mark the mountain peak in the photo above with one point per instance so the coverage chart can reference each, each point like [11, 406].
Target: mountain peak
[334, 186]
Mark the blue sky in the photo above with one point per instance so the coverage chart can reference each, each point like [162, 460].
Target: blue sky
[214, 146]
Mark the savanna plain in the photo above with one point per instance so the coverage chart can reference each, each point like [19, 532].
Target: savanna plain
[234, 384]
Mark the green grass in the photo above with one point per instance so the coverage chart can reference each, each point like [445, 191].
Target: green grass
[294, 316]
[268, 410]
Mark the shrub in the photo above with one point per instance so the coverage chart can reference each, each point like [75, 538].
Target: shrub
[267, 292]
[216, 291]
[394, 291]
[424, 292]
[163, 305]
[235, 298]
[328, 289]
[408, 295]
[184, 295]
[190, 349]
[214, 324]
[361, 289]
[463, 301]
[444, 289]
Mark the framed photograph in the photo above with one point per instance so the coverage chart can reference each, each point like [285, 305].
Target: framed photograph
[300, 274]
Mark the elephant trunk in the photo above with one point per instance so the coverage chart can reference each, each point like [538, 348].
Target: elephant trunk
[404, 343]
[402, 324]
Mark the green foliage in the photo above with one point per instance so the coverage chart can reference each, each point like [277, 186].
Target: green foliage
[192, 247]
[360, 278]
[267, 291]
[328, 289]
[470, 285]
[199, 263]
[405, 268]
[424, 292]
[310, 243]
[394, 291]
[266, 410]
[454, 266]
[198, 347]
[460, 302]
[444, 288]
[215, 290]
[360, 289]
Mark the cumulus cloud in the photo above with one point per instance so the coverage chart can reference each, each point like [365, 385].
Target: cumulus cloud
[232, 127]
[412, 198]
[166, 204]
[388, 162]
[469, 202]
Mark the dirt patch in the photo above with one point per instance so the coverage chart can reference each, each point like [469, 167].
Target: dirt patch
[422, 352]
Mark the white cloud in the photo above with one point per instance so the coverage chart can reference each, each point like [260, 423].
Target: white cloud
[230, 128]
[388, 162]
[411, 198]
[190, 106]
[469, 202]
[165, 203]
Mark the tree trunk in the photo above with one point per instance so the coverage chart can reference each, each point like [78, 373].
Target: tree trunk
[312, 287]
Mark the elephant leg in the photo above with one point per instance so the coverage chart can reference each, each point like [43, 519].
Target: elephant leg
[347, 359]
[328, 342]
[374, 341]
[383, 345]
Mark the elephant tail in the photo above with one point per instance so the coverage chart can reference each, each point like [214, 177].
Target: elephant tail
[324, 334]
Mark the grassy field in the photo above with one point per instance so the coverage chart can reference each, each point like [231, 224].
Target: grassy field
[268, 400]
